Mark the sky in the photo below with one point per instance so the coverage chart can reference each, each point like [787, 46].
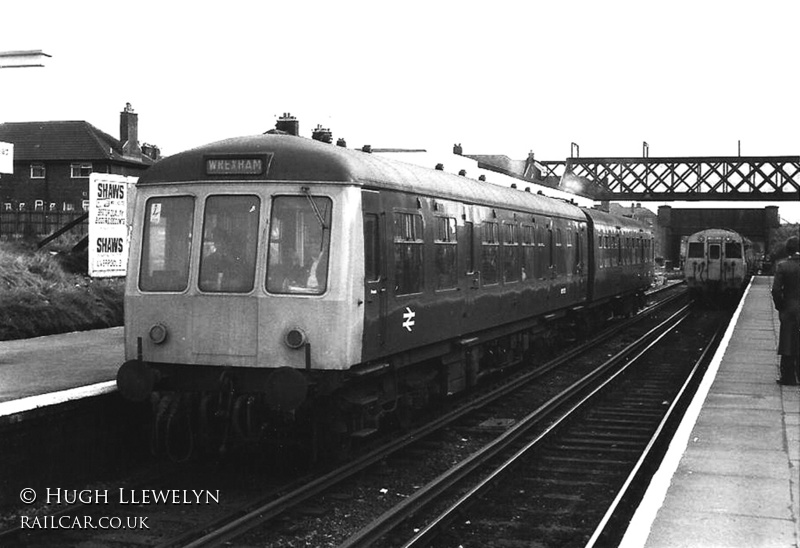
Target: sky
[689, 77]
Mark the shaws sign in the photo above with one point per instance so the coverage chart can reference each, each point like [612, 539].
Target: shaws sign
[239, 165]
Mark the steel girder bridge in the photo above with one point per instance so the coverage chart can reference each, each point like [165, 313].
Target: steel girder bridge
[722, 178]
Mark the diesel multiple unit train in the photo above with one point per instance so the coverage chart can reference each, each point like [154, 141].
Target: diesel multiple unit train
[718, 263]
[276, 281]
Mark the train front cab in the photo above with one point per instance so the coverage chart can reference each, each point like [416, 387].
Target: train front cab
[240, 287]
[715, 262]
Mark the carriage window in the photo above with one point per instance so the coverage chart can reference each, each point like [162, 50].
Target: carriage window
[733, 250]
[510, 253]
[696, 250]
[445, 250]
[230, 239]
[299, 240]
[166, 243]
[489, 253]
[713, 251]
[408, 253]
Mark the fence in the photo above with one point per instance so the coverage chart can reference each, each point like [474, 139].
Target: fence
[37, 224]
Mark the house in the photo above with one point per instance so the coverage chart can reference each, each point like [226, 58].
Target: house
[53, 161]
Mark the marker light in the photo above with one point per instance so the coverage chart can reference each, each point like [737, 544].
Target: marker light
[295, 338]
[158, 333]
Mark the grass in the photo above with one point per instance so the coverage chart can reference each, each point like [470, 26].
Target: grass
[47, 291]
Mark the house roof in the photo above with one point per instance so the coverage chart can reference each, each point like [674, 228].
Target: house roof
[64, 140]
[637, 212]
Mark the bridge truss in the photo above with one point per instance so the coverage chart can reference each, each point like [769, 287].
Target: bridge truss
[738, 178]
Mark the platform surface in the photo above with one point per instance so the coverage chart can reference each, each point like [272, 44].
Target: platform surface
[730, 478]
[43, 365]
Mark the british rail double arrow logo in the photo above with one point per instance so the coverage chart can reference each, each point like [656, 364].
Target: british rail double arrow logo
[408, 316]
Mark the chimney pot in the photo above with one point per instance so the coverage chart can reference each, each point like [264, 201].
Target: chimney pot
[129, 131]
[289, 124]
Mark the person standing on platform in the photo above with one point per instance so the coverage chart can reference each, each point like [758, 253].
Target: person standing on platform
[786, 296]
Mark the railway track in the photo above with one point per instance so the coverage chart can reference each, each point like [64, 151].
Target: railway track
[289, 514]
[576, 481]
[286, 506]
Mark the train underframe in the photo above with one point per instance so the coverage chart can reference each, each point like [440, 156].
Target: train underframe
[208, 409]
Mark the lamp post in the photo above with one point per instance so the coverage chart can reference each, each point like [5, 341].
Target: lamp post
[22, 59]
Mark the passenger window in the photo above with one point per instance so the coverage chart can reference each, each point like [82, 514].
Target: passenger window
[408, 245]
[445, 253]
[167, 243]
[299, 242]
[230, 240]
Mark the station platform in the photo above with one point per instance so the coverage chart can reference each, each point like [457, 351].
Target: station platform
[730, 477]
[47, 370]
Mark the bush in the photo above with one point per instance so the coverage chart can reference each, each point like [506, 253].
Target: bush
[43, 292]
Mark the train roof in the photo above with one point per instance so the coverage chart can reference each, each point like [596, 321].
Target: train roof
[603, 219]
[716, 233]
[298, 159]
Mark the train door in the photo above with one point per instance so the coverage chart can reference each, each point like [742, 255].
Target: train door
[472, 276]
[581, 259]
[715, 260]
[375, 294]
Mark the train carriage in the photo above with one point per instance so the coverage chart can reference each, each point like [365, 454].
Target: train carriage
[622, 251]
[718, 263]
[272, 272]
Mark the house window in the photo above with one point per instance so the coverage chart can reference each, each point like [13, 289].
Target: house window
[84, 205]
[7, 206]
[37, 171]
[81, 170]
[38, 205]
